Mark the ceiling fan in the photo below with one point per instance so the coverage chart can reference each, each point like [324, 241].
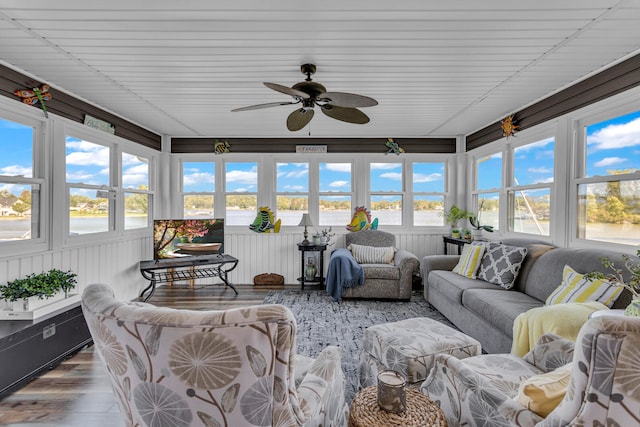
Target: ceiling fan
[337, 105]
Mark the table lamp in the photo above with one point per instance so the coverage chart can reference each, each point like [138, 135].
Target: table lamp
[306, 221]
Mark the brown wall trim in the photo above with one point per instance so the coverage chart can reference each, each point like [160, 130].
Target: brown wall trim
[74, 109]
[334, 145]
[617, 79]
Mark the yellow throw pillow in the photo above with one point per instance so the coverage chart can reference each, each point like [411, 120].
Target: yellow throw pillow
[469, 261]
[542, 393]
[575, 288]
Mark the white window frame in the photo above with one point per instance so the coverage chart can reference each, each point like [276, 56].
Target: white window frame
[301, 194]
[411, 194]
[216, 184]
[149, 191]
[350, 193]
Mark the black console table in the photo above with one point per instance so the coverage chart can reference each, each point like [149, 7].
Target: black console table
[311, 247]
[171, 270]
[454, 241]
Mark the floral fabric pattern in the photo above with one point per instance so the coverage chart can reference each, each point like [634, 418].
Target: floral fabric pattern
[213, 368]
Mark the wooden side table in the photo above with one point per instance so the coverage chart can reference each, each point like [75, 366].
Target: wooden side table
[312, 247]
[421, 411]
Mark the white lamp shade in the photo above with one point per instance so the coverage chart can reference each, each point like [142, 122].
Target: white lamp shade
[306, 221]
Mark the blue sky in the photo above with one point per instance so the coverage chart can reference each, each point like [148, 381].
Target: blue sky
[613, 144]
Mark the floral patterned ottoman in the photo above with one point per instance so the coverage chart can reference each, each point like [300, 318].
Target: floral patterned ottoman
[409, 347]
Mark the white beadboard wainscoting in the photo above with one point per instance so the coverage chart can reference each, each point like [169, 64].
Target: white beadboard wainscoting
[116, 263]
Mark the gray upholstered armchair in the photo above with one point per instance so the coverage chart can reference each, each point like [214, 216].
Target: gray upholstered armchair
[603, 380]
[383, 281]
[235, 367]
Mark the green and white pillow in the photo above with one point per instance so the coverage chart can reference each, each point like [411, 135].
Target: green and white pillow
[501, 264]
[576, 288]
[372, 254]
[469, 261]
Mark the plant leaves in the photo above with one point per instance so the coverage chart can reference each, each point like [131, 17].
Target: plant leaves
[256, 361]
[230, 398]
[138, 365]
[152, 339]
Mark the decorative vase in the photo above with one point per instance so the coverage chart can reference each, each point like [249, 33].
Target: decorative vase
[477, 234]
[633, 309]
[316, 240]
[310, 271]
[455, 234]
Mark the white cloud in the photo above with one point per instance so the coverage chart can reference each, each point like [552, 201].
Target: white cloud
[16, 170]
[616, 136]
[139, 168]
[134, 179]
[538, 144]
[544, 181]
[294, 187]
[395, 176]
[337, 184]
[385, 166]
[541, 169]
[418, 177]
[338, 167]
[199, 178]
[295, 174]
[87, 153]
[242, 177]
[609, 161]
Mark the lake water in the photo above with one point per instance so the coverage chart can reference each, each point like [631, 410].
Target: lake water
[13, 229]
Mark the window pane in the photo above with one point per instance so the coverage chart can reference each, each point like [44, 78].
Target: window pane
[241, 209]
[87, 162]
[488, 209]
[530, 211]
[613, 145]
[428, 177]
[427, 210]
[136, 210]
[198, 206]
[289, 209]
[135, 172]
[88, 213]
[19, 211]
[388, 209]
[335, 210]
[16, 149]
[198, 177]
[242, 177]
[292, 177]
[489, 172]
[386, 177]
[533, 163]
[335, 177]
[610, 212]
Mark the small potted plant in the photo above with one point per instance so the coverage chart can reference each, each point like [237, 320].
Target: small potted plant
[466, 234]
[455, 233]
[326, 236]
[477, 228]
[453, 216]
[24, 293]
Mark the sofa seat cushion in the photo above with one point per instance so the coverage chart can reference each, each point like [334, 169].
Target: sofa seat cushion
[498, 307]
[381, 271]
[452, 285]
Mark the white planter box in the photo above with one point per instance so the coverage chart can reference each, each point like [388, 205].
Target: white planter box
[41, 307]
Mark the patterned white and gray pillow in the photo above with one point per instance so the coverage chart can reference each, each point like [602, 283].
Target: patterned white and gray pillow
[501, 263]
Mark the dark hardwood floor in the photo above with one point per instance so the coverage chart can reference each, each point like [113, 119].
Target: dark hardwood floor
[78, 392]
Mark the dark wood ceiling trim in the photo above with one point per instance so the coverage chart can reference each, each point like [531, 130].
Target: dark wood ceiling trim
[617, 79]
[334, 145]
[74, 109]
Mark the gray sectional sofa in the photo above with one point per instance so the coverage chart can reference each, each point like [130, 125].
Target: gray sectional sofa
[486, 311]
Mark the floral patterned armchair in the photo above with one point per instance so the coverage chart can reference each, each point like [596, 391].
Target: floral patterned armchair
[234, 367]
[603, 390]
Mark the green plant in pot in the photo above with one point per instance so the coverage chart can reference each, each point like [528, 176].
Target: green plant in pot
[455, 233]
[617, 278]
[453, 216]
[42, 286]
[477, 227]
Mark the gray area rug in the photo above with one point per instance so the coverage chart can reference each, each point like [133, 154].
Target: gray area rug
[322, 322]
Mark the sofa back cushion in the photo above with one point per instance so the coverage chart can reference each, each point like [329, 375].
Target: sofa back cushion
[545, 274]
[370, 238]
[535, 248]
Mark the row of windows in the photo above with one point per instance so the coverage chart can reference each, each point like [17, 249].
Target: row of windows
[324, 189]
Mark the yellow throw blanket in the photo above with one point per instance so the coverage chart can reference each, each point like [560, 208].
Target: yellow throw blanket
[564, 320]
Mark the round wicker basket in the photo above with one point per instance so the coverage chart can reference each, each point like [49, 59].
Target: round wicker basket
[421, 411]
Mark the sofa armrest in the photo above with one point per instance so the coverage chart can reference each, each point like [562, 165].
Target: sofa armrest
[408, 264]
[550, 352]
[435, 262]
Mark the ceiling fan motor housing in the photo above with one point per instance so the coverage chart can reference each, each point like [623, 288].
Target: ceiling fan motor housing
[313, 89]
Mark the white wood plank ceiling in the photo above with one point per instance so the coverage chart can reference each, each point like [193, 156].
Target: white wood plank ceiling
[436, 68]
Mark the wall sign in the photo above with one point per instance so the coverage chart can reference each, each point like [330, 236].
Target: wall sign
[311, 148]
[92, 122]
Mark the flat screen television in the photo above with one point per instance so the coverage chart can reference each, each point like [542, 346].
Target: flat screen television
[174, 238]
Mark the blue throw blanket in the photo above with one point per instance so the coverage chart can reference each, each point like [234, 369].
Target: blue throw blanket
[343, 272]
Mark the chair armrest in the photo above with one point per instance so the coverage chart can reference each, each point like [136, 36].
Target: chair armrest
[322, 386]
[408, 264]
[435, 262]
[550, 352]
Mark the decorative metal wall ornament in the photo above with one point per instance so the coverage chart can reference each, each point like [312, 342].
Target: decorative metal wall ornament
[393, 147]
[34, 95]
[221, 147]
[508, 126]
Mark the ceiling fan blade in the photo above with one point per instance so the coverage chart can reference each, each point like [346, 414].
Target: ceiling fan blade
[344, 99]
[345, 114]
[267, 105]
[287, 90]
[299, 119]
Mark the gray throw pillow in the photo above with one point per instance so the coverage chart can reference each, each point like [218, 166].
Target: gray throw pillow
[501, 263]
